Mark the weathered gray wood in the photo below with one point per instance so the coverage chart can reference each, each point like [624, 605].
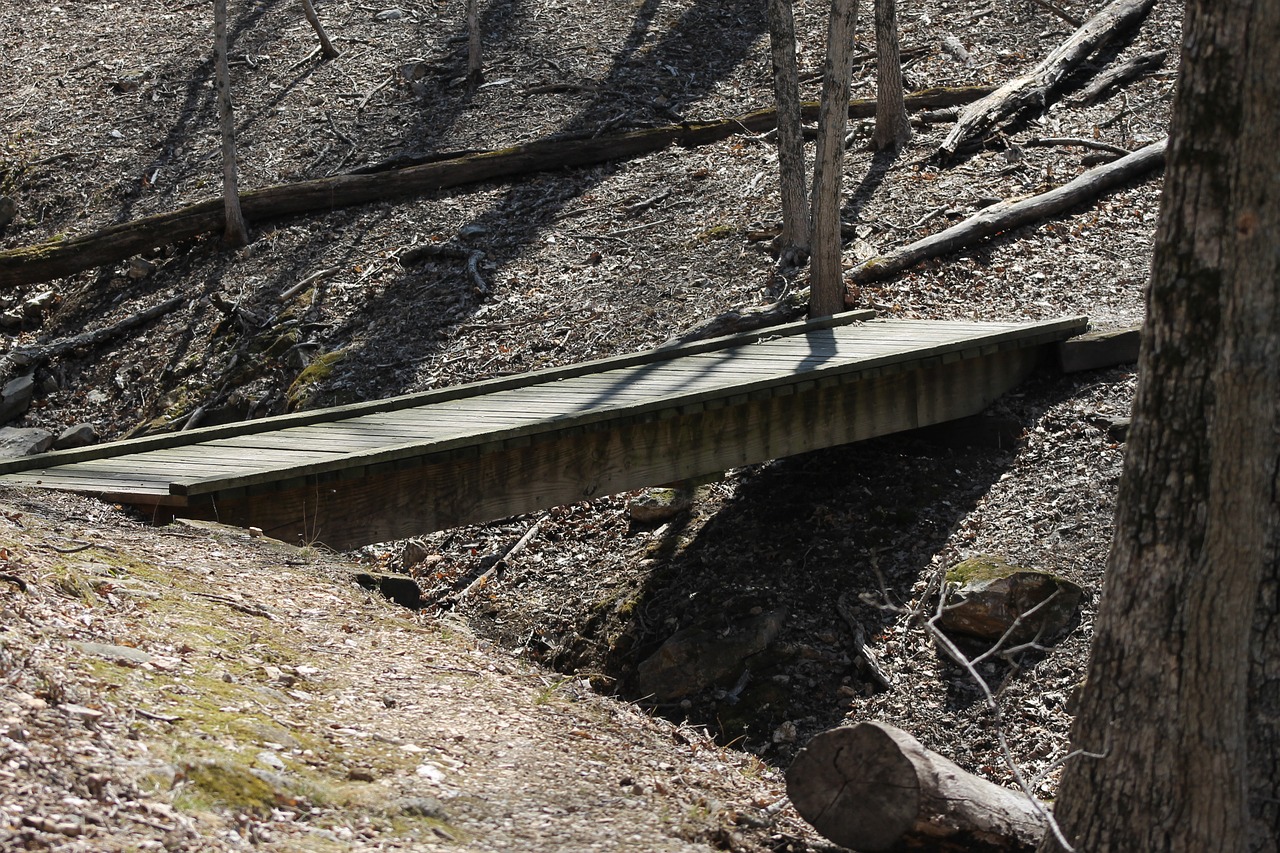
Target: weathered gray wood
[678, 409]
[1034, 88]
[1007, 215]
[1096, 350]
[406, 401]
[873, 787]
[559, 468]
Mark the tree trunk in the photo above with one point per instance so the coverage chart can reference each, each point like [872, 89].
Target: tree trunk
[791, 168]
[235, 233]
[826, 291]
[1182, 697]
[327, 50]
[873, 787]
[475, 66]
[893, 129]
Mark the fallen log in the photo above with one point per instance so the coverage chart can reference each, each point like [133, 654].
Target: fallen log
[1034, 88]
[1007, 215]
[873, 787]
[57, 258]
[1119, 75]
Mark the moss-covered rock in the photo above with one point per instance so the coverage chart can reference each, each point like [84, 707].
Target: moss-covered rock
[988, 598]
[305, 387]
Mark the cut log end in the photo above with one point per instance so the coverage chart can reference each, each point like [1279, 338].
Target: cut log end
[873, 787]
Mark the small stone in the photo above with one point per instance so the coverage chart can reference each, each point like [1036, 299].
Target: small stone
[270, 759]
[15, 399]
[785, 733]
[80, 435]
[24, 442]
[421, 807]
[40, 303]
[360, 774]
[80, 711]
[140, 268]
[96, 397]
[255, 532]
[390, 15]
[654, 506]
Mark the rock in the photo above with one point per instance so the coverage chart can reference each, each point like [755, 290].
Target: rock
[15, 399]
[986, 595]
[654, 506]
[23, 442]
[390, 15]
[80, 435]
[140, 268]
[8, 210]
[696, 658]
[40, 303]
[420, 807]
[127, 654]
[412, 553]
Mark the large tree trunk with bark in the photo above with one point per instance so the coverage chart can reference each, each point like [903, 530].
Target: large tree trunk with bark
[1183, 696]
[826, 276]
[873, 787]
[234, 232]
[893, 129]
[791, 171]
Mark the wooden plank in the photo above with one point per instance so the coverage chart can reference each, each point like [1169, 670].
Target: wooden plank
[1096, 350]
[561, 469]
[425, 397]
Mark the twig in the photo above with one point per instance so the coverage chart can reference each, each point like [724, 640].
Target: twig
[1060, 12]
[1081, 143]
[289, 293]
[500, 563]
[953, 651]
[243, 607]
[641, 206]
[364, 102]
[860, 643]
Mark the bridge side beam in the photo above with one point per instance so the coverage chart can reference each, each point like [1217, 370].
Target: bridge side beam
[411, 497]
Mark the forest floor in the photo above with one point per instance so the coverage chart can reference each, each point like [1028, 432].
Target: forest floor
[510, 720]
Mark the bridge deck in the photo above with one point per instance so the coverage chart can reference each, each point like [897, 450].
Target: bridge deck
[514, 444]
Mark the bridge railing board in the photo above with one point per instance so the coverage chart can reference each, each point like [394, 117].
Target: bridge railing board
[419, 452]
[422, 398]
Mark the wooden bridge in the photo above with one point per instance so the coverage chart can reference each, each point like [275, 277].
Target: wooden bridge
[393, 468]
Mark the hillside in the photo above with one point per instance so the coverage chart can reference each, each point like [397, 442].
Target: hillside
[106, 117]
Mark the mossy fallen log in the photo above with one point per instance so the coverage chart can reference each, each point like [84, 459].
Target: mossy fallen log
[57, 258]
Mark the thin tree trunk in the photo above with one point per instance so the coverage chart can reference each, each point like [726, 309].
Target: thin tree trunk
[893, 129]
[791, 166]
[235, 233]
[475, 67]
[826, 293]
[327, 50]
[1183, 693]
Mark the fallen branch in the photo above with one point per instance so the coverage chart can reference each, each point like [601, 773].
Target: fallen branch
[873, 787]
[790, 307]
[1095, 144]
[1034, 88]
[31, 357]
[1119, 75]
[115, 243]
[1007, 215]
